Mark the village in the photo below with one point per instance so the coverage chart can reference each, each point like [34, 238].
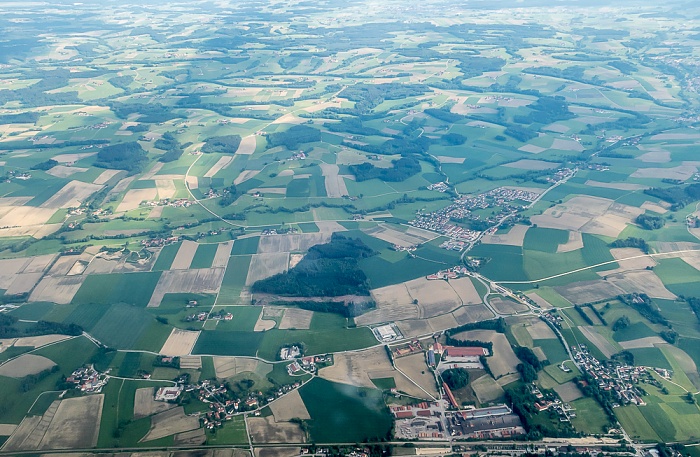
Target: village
[443, 220]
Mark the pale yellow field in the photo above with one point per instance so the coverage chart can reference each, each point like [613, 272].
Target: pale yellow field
[184, 255]
[133, 198]
[289, 407]
[514, 237]
[25, 365]
[296, 318]
[180, 342]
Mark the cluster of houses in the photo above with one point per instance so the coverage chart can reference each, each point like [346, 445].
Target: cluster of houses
[88, 380]
[561, 174]
[564, 410]
[409, 348]
[159, 242]
[442, 221]
[453, 245]
[439, 187]
[309, 364]
[21, 175]
[423, 421]
[618, 379]
[290, 352]
[451, 273]
[553, 318]
[399, 248]
[175, 203]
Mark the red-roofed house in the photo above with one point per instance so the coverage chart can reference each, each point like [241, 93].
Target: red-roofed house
[465, 351]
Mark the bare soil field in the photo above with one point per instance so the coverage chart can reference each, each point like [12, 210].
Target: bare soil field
[568, 392]
[223, 252]
[487, 389]
[291, 243]
[57, 289]
[25, 217]
[466, 291]
[642, 281]
[71, 158]
[222, 163]
[579, 293]
[289, 407]
[227, 367]
[415, 368]
[180, 342]
[395, 295]
[567, 145]
[133, 198]
[616, 185]
[152, 172]
[277, 451]
[538, 330]
[7, 429]
[648, 342]
[71, 195]
[330, 227]
[473, 313]
[640, 263]
[195, 438]
[184, 255]
[248, 145]
[414, 328]
[446, 159]
[245, 176]
[119, 188]
[541, 302]
[434, 297]
[294, 260]
[145, 405]
[335, 185]
[190, 362]
[263, 266]
[25, 365]
[267, 430]
[507, 306]
[166, 188]
[75, 425]
[263, 325]
[169, 423]
[392, 236]
[388, 313]
[62, 171]
[514, 237]
[599, 341]
[504, 360]
[23, 283]
[657, 208]
[192, 182]
[654, 155]
[356, 368]
[156, 212]
[202, 281]
[529, 164]
[444, 322]
[64, 263]
[21, 433]
[105, 176]
[681, 172]
[590, 215]
[296, 318]
[36, 341]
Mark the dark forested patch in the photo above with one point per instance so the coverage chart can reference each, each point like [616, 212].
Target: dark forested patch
[227, 144]
[123, 156]
[327, 270]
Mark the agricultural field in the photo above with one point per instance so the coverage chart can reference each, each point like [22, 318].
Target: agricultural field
[186, 198]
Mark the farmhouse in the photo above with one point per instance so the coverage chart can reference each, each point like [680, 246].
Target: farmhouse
[168, 393]
[470, 353]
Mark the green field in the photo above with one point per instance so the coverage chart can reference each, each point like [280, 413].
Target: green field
[204, 256]
[344, 413]
[132, 289]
